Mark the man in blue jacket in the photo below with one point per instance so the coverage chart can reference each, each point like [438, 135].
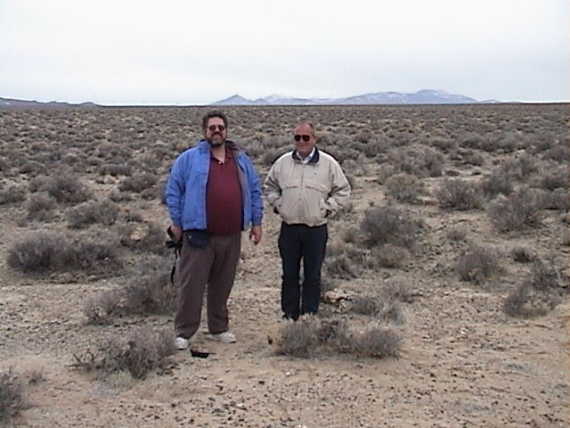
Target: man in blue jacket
[213, 193]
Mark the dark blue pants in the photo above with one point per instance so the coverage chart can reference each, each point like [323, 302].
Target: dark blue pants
[296, 242]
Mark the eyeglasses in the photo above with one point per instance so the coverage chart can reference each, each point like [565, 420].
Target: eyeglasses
[213, 128]
[305, 138]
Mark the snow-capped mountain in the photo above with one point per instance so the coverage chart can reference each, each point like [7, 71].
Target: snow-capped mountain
[424, 96]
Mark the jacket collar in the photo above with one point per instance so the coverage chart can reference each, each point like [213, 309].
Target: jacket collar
[313, 160]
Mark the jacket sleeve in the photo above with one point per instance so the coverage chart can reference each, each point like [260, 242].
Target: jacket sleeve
[175, 190]
[272, 187]
[256, 199]
[340, 192]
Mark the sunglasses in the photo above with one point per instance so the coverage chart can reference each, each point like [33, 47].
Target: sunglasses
[305, 138]
[213, 128]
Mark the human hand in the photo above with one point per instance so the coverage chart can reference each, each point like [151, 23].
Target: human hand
[255, 234]
[177, 232]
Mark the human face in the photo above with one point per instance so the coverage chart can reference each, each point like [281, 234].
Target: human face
[304, 148]
[216, 131]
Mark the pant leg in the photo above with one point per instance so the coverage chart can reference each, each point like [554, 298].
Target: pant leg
[191, 278]
[314, 249]
[290, 248]
[222, 275]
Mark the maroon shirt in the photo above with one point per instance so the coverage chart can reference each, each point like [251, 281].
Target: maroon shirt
[223, 196]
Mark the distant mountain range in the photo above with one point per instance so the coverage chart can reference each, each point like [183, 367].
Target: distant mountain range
[424, 96]
[14, 103]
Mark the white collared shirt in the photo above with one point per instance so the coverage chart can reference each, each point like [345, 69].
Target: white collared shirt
[306, 160]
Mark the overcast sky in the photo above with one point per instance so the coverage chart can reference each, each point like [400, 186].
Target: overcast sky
[198, 52]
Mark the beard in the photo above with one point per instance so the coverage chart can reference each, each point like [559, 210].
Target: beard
[216, 142]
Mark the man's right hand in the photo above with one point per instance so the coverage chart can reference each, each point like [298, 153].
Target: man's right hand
[177, 232]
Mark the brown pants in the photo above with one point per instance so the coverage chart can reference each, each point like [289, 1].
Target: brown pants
[215, 266]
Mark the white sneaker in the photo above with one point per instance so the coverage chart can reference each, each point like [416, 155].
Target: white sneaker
[225, 337]
[181, 343]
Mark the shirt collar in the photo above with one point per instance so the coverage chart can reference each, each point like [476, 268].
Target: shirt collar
[308, 158]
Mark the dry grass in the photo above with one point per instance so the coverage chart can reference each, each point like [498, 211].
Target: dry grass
[139, 353]
[12, 398]
[309, 336]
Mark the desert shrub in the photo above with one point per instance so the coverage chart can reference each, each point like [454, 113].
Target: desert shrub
[12, 399]
[423, 163]
[102, 308]
[387, 256]
[357, 167]
[559, 153]
[32, 168]
[526, 302]
[538, 294]
[115, 170]
[555, 178]
[144, 237]
[149, 162]
[12, 194]
[498, 182]
[307, 336]
[37, 183]
[544, 275]
[343, 261]
[151, 294]
[94, 257]
[138, 182]
[565, 240]
[40, 207]
[365, 305]
[118, 196]
[66, 188]
[520, 167]
[507, 142]
[477, 264]
[299, 339]
[522, 255]
[558, 199]
[397, 290]
[139, 353]
[377, 342]
[270, 156]
[458, 194]
[71, 159]
[404, 187]
[441, 143]
[470, 157]
[385, 171]
[388, 225]
[149, 291]
[457, 234]
[521, 209]
[41, 252]
[381, 307]
[103, 212]
[4, 165]
[472, 140]
[350, 234]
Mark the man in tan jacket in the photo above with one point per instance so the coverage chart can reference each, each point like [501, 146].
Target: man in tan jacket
[305, 187]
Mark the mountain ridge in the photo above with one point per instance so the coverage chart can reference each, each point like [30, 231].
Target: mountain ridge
[423, 96]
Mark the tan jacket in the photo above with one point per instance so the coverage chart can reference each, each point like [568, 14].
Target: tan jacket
[306, 193]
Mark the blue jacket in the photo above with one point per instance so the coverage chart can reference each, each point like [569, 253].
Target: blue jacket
[186, 188]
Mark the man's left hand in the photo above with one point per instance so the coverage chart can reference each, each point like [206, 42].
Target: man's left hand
[255, 234]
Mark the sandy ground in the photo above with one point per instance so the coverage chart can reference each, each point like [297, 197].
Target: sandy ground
[463, 362]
